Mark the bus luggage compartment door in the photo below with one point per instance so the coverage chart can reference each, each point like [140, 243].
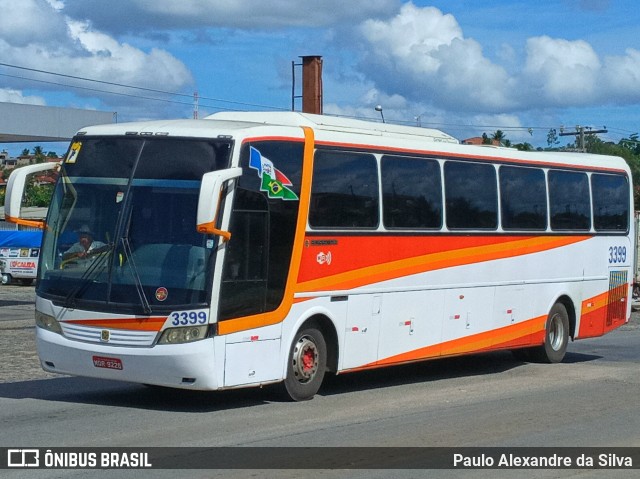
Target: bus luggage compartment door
[253, 361]
[362, 329]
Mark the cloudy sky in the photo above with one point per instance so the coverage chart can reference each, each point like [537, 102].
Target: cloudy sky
[465, 67]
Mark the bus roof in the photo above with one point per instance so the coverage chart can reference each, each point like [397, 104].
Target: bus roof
[350, 132]
[336, 124]
[234, 121]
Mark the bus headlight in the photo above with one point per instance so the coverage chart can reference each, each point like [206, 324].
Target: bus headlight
[48, 322]
[183, 335]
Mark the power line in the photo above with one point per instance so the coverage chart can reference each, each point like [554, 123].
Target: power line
[122, 85]
[231, 102]
[93, 80]
[94, 89]
[580, 133]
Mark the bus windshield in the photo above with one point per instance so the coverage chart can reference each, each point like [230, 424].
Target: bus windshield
[121, 231]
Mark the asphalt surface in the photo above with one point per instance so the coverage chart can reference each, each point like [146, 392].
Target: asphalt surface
[591, 399]
[18, 358]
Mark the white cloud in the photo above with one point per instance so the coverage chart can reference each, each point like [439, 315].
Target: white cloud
[561, 71]
[111, 60]
[408, 58]
[422, 54]
[373, 98]
[9, 95]
[30, 21]
[622, 75]
[157, 15]
[57, 4]
[564, 73]
[61, 45]
[413, 34]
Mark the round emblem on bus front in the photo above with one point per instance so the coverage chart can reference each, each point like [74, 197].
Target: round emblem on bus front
[162, 293]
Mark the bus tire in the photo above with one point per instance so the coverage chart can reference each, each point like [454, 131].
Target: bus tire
[6, 278]
[306, 365]
[556, 336]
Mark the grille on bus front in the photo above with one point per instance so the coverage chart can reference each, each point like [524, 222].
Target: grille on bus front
[115, 337]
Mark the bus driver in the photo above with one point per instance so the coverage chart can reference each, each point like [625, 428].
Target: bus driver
[85, 245]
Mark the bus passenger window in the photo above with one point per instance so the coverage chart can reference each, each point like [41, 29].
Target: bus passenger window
[523, 198]
[345, 191]
[471, 195]
[569, 202]
[610, 202]
[412, 192]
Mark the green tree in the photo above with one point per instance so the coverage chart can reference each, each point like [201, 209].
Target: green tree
[38, 152]
[632, 143]
[597, 146]
[499, 136]
[38, 195]
[552, 138]
[524, 146]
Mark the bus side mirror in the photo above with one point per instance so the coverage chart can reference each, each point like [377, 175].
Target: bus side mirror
[210, 199]
[16, 187]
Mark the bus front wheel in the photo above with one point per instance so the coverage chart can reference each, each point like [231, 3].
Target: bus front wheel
[306, 365]
[556, 336]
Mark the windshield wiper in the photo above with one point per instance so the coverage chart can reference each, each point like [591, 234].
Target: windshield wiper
[126, 246]
[97, 266]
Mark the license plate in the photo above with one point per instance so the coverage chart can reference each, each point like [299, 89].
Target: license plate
[107, 363]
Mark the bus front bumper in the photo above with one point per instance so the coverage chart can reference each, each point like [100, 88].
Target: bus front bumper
[186, 366]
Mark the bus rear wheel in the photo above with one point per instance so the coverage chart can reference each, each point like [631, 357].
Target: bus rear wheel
[556, 336]
[306, 365]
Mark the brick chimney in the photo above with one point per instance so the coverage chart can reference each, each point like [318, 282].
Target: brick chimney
[312, 84]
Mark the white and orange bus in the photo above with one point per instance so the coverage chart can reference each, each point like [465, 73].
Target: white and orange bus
[254, 248]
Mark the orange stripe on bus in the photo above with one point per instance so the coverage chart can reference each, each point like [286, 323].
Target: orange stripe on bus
[501, 338]
[597, 318]
[434, 261]
[132, 324]
[490, 248]
[597, 302]
[477, 342]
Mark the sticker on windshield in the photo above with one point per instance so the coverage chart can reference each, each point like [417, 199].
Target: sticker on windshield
[74, 151]
[274, 182]
[162, 293]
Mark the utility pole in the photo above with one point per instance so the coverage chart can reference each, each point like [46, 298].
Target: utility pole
[580, 133]
[195, 105]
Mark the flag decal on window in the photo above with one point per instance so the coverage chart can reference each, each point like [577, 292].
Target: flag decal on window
[274, 182]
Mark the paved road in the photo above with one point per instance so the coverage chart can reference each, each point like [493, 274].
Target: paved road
[16, 302]
[592, 399]
[18, 359]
